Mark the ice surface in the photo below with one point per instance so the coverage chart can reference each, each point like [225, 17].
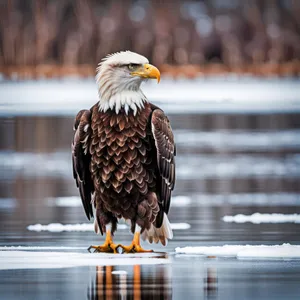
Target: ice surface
[220, 94]
[58, 227]
[258, 218]
[37, 260]
[39, 248]
[246, 251]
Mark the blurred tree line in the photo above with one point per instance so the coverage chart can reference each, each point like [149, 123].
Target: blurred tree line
[73, 32]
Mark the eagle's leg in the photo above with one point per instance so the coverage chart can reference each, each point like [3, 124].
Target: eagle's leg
[108, 246]
[135, 246]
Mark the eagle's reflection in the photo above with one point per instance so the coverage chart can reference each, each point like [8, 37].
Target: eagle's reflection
[211, 282]
[131, 282]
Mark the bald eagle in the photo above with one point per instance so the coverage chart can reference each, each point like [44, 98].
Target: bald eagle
[123, 155]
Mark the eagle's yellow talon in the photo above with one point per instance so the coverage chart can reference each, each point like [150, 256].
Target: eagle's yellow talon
[134, 249]
[135, 246]
[105, 248]
[108, 247]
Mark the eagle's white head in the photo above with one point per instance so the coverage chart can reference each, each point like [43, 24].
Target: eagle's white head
[119, 77]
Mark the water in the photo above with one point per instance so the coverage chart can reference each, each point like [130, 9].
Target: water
[229, 162]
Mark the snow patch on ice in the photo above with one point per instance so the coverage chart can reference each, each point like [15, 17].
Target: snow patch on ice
[246, 251]
[180, 226]
[226, 250]
[258, 218]
[45, 260]
[58, 227]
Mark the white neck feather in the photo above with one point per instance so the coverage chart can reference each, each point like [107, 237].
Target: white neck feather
[116, 92]
[129, 100]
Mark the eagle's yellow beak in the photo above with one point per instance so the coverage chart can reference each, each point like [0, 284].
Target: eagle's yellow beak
[147, 71]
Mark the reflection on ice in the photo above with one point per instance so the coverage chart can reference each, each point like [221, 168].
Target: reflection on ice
[138, 282]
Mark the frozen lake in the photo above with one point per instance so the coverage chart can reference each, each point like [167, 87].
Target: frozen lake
[238, 183]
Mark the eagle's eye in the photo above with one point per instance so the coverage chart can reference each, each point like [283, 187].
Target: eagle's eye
[132, 67]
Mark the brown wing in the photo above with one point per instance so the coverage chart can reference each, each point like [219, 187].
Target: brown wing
[166, 151]
[81, 159]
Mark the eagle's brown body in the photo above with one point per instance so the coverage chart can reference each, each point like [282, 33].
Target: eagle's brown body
[126, 162]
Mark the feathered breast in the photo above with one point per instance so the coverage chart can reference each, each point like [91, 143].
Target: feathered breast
[122, 152]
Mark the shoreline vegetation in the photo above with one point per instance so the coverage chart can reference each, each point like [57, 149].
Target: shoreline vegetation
[182, 38]
[287, 69]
